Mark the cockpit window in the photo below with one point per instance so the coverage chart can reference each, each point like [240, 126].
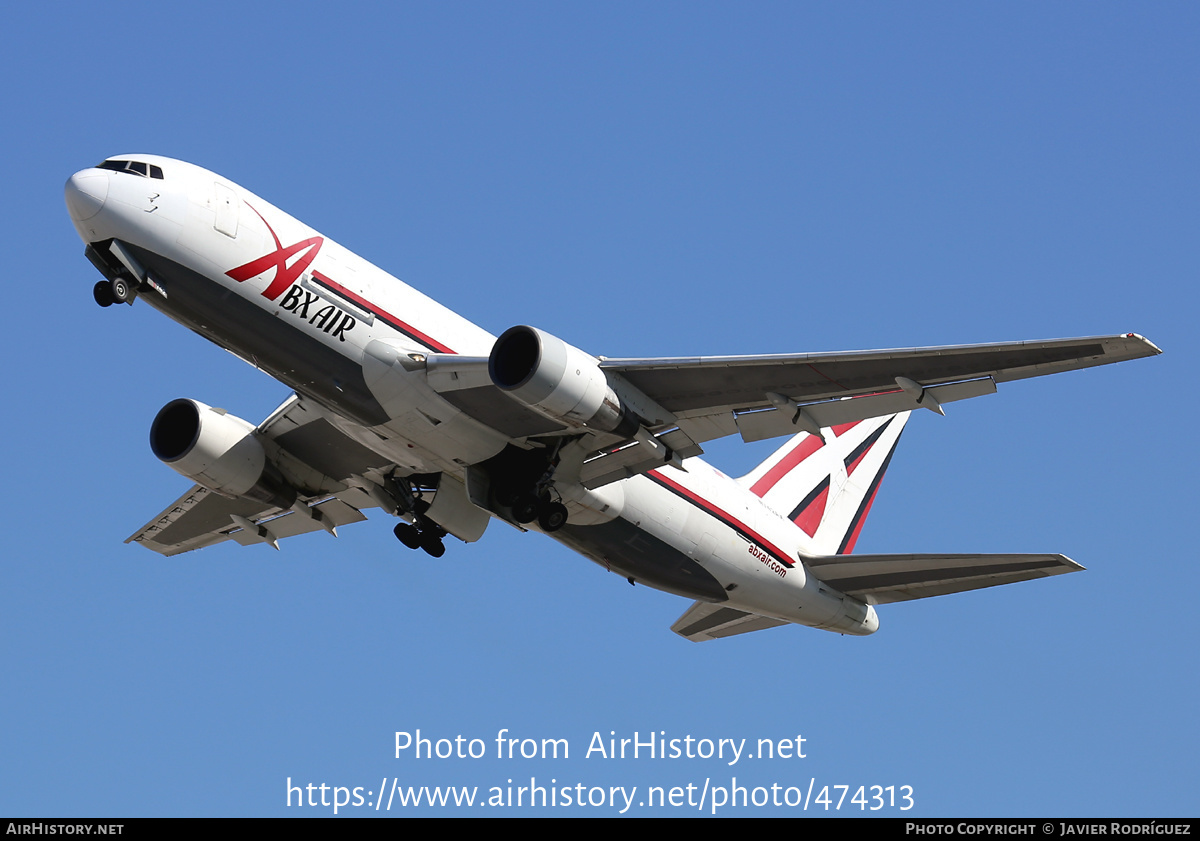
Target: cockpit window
[133, 167]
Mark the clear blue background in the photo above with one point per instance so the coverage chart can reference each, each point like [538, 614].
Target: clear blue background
[640, 179]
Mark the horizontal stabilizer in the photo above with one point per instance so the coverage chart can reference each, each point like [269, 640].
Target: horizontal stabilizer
[881, 579]
[704, 621]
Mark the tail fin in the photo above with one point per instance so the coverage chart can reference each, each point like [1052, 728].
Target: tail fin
[826, 488]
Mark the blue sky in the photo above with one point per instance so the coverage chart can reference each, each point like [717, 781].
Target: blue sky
[641, 180]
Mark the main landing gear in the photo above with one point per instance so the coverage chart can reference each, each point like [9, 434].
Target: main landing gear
[422, 533]
[523, 482]
[427, 536]
[550, 514]
[429, 539]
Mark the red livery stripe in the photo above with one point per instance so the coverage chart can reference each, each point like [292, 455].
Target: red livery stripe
[727, 518]
[403, 327]
[785, 465]
[809, 512]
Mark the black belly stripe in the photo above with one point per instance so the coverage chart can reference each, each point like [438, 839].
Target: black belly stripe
[274, 344]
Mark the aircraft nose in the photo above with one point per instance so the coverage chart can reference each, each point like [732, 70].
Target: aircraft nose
[86, 192]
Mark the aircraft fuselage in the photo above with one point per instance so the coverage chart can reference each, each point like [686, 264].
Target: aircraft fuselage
[351, 337]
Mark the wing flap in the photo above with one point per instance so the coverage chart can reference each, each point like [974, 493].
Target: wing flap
[201, 518]
[773, 423]
[882, 579]
[193, 521]
[638, 455]
[316, 516]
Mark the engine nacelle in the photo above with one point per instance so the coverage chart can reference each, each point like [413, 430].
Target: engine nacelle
[217, 450]
[558, 380]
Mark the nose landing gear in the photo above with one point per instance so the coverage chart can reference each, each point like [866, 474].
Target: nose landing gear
[102, 292]
[123, 275]
[122, 290]
[119, 290]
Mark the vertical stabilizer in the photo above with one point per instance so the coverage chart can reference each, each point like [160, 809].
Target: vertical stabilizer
[827, 489]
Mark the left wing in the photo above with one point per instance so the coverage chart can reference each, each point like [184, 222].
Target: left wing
[201, 518]
[312, 453]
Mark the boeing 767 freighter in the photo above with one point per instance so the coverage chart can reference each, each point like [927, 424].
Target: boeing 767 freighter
[403, 405]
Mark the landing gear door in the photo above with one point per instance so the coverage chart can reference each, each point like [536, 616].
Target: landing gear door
[453, 510]
[478, 486]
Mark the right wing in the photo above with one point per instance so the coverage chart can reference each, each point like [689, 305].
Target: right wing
[698, 399]
[770, 396]
[700, 386]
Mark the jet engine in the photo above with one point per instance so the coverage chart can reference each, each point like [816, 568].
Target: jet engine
[217, 450]
[559, 381]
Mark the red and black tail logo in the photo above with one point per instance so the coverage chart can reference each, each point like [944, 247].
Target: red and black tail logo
[285, 275]
[809, 514]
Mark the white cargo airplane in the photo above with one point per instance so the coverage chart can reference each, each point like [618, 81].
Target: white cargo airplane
[402, 404]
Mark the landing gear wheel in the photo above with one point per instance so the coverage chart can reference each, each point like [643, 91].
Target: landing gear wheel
[102, 292]
[552, 516]
[407, 535]
[432, 544]
[525, 509]
[122, 291]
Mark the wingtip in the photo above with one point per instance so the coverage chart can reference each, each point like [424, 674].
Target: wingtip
[1071, 565]
[1139, 337]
